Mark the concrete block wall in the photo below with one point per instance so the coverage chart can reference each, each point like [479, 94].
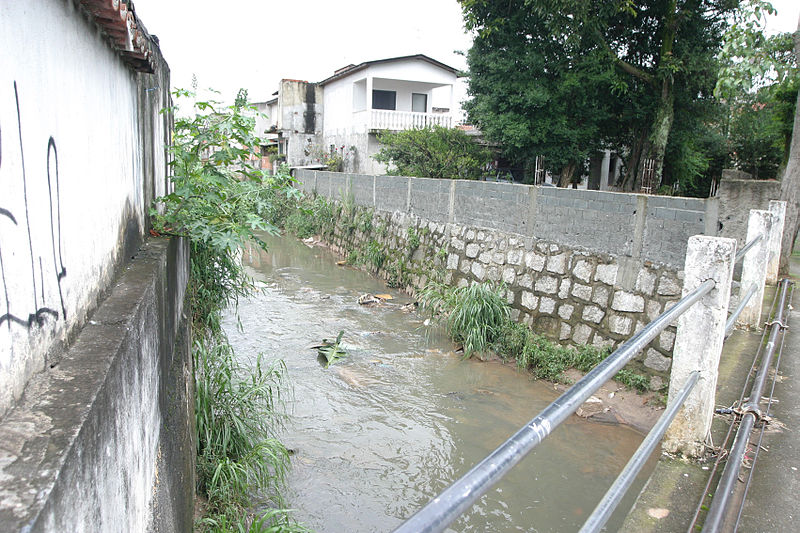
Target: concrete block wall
[736, 198]
[641, 227]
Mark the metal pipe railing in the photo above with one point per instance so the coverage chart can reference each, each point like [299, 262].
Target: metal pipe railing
[752, 413]
[460, 496]
[606, 507]
[751, 290]
[741, 253]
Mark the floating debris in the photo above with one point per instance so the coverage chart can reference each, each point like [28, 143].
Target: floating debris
[331, 350]
[341, 263]
[411, 306]
[384, 297]
[368, 299]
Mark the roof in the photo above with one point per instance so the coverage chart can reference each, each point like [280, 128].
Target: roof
[350, 69]
[124, 31]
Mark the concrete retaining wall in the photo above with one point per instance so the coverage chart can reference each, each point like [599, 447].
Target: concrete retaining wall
[95, 374]
[103, 441]
[558, 280]
[642, 227]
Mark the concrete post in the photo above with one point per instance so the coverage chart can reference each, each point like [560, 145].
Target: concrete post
[605, 168]
[778, 210]
[754, 267]
[698, 341]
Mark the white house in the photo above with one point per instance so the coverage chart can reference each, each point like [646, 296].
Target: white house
[344, 113]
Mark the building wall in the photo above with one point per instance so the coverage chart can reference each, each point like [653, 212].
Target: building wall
[412, 69]
[81, 157]
[101, 439]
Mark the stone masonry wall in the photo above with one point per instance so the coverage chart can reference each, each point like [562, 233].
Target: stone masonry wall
[569, 294]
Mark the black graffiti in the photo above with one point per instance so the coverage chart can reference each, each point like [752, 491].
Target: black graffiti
[42, 277]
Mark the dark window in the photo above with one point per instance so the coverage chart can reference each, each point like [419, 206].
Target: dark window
[419, 102]
[384, 99]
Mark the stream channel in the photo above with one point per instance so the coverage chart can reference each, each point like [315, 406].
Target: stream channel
[381, 432]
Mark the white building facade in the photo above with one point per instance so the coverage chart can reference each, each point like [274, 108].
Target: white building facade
[343, 114]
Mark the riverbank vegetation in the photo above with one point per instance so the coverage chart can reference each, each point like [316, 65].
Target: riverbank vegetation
[219, 201]
[479, 317]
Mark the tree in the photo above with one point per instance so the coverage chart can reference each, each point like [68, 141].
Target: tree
[433, 152]
[790, 186]
[637, 63]
[533, 93]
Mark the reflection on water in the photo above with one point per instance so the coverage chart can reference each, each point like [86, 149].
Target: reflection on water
[380, 433]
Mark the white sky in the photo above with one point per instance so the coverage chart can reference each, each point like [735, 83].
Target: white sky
[253, 44]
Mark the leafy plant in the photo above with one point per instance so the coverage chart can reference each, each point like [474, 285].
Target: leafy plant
[373, 255]
[412, 239]
[332, 350]
[474, 315]
[220, 202]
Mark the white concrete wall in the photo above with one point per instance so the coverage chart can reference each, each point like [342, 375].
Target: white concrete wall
[338, 105]
[73, 184]
[412, 69]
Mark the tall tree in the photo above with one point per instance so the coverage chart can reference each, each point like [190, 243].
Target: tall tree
[652, 55]
[534, 94]
[790, 186]
[753, 59]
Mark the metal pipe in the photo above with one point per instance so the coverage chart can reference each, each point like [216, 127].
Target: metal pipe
[751, 290]
[741, 253]
[727, 482]
[460, 496]
[606, 507]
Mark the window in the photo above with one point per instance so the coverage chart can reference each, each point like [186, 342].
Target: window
[384, 100]
[419, 102]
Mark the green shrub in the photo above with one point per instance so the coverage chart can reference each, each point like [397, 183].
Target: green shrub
[433, 152]
[474, 315]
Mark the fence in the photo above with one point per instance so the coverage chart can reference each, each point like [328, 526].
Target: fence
[703, 322]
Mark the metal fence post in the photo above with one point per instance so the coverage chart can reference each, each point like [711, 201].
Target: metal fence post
[698, 341]
[754, 266]
[778, 210]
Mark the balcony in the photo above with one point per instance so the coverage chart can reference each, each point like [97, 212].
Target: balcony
[381, 119]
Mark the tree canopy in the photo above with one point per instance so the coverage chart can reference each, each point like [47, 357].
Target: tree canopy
[562, 78]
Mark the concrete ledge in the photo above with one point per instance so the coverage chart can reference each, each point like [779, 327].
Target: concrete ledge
[104, 440]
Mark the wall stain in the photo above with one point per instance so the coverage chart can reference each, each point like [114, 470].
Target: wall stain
[45, 276]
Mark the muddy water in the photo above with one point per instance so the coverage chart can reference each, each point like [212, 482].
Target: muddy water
[386, 429]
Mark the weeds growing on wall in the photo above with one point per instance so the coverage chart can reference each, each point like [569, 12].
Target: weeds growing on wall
[219, 201]
[479, 317]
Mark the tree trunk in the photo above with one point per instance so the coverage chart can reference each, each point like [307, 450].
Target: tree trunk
[790, 184]
[661, 128]
[566, 174]
[628, 182]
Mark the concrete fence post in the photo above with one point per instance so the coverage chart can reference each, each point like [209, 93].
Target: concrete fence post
[778, 210]
[698, 341]
[754, 267]
[451, 203]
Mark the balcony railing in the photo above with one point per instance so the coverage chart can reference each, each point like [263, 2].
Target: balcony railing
[382, 119]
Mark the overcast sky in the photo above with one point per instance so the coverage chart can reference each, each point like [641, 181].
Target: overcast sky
[253, 44]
